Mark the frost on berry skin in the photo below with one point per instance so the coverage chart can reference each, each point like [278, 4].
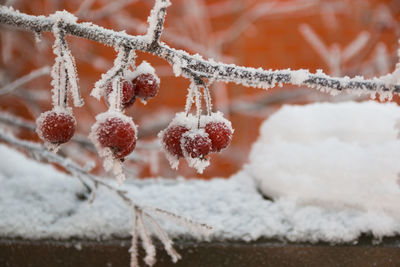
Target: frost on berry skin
[220, 135]
[56, 126]
[114, 136]
[171, 143]
[145, 80]
[117, 135]
[195, 146]
[128, 93]
[219, 130]
[171, 137]
[146, 86]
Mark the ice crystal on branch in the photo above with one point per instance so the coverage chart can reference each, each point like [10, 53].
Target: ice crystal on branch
[124, 58]
[219, 71]
[156, 21]
[63, 73]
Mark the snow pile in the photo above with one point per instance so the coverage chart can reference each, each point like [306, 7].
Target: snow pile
[333, 156]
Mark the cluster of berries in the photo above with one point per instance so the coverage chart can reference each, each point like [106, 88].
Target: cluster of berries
[115, 134]
[194, 138]
[143, 86]
[112, 130]
[115, 130]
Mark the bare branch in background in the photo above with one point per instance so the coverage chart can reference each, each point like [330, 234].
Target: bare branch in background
[25, 79]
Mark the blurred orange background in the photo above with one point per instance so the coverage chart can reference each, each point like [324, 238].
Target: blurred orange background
[251, 33]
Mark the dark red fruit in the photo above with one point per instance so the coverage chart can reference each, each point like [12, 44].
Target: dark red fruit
[172, 139]
[220, 135]
[146, 86]
[128, 93]
[117, 135]
[55, 127]
[196, 145]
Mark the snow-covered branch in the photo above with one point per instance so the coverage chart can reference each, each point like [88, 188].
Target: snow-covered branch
[386, 86]
[156, 21]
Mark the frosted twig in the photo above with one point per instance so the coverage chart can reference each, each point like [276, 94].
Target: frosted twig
[86, 178]
[10, 119]
[121, 64]
[189, 224]
[189, 98]
[197, 82]
[147, 244]
[108, 9]
[263, 11]
[84, 7]
[25, 79]
[156, 21]
[355, 46]
[167, 242]
[316, 42]
[134, 247]
[64, 71]
[206, 68]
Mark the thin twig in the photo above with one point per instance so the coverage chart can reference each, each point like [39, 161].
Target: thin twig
[24, 79]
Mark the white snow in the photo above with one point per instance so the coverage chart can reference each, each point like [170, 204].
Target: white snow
[334, 156]
[331, 170]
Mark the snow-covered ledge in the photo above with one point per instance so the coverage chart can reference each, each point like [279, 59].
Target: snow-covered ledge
[331, 170]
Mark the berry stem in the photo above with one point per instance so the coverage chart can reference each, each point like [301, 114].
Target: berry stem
[207, 99]
[189, 98]
[198, 104]
[125, 55]
[65, 103]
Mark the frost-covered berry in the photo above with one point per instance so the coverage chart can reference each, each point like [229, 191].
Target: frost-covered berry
[220, 134]
[128, 93]
[116, 134]
[56, 127]
[146, 85]
[196, 144]
[171, 139]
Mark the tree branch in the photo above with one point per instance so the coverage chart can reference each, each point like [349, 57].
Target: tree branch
[25, 79]
[156, 22]
[386, 86]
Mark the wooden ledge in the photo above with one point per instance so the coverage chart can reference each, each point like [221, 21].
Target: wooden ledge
[114, 253]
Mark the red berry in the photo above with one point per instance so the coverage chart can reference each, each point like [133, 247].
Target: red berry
[171, 139]
[196, 145]
[55, 127]
[146, 86]
[128, 93]
[219, 133]
[117, 135]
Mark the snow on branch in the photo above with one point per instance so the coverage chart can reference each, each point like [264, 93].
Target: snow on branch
[386, 86]
[156, 21]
